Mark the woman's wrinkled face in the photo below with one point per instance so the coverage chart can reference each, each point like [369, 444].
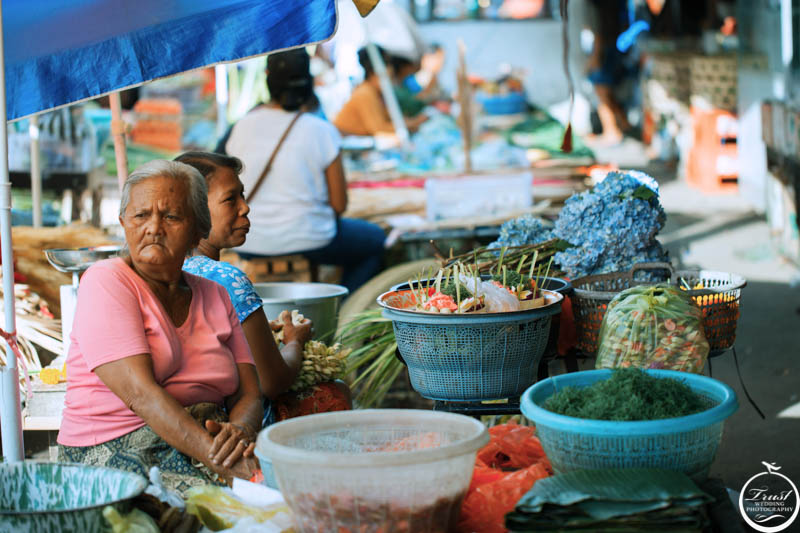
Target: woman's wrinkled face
[158, 222]
[229, 222]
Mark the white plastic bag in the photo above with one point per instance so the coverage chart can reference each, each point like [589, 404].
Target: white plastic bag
[496, 299]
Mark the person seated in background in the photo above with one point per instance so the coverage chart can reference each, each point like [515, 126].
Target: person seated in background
[159, 372]
[410, 103]
[276, 369]
[366, 112]
[296, 206]
[424, 83]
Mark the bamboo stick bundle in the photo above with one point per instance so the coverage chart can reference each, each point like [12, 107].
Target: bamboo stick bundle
[31, 262]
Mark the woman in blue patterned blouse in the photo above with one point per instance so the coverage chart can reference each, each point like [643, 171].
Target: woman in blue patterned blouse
[277, 369]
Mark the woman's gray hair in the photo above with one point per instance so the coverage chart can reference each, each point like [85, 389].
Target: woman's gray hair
[198, 189]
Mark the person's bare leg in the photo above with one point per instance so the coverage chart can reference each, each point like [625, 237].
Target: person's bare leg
[619, 115]
[606, 111]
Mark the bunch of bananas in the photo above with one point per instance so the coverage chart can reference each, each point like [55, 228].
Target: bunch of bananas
[320, 362]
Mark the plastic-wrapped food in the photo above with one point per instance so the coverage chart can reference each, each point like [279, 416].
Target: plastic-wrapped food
[218, 509]
[134, 522]
[653, 326]
[159, 491]
[496, 299]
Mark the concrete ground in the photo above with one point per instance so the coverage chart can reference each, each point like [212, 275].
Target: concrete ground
[724, 233]
[721, 234]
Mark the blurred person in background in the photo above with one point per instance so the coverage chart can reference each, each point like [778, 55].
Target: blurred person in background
[411, 102]
[366, 112]
[607, 67]
[425, 82]
[294, 180]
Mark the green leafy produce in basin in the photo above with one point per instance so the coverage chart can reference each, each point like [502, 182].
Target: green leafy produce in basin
[449, 288]
[629, 395]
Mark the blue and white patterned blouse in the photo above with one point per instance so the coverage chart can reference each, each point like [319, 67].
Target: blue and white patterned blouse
[240, 289]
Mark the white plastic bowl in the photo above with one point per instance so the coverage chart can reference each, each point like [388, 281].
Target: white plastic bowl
[374, 470]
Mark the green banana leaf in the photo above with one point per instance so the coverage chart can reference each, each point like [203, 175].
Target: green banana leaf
[372, 363]
[612, 500]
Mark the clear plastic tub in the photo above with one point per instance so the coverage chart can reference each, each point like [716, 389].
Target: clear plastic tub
[374, 470]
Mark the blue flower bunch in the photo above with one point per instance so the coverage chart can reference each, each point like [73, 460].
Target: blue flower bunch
[612, 227]
[522, 231]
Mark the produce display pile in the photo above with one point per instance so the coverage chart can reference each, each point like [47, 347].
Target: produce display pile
[461, 288]
[629, 395]
[611, 227]
[653, 326]
[320, 362]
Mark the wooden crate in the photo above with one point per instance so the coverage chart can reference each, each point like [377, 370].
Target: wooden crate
[274, 268]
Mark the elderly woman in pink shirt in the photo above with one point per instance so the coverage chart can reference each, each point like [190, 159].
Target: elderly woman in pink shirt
[159, 370]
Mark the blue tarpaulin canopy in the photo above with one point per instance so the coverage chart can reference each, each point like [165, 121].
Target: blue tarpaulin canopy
[58, 52]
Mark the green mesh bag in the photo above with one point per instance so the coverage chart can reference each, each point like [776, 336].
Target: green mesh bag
[653, 326]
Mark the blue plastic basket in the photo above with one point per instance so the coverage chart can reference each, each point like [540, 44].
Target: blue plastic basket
[472, 357]
[505, 104]
[687, 444]
[558, 285]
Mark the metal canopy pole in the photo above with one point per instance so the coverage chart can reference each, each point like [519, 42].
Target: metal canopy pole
[36, 172]
[10, 413]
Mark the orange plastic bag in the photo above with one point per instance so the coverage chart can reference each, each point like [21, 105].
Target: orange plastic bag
[505, 470]
[511, 446]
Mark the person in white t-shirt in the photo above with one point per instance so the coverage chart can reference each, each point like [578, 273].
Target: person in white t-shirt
[297, 206]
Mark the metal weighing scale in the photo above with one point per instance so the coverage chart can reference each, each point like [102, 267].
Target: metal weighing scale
[43, 412]
[75, 261]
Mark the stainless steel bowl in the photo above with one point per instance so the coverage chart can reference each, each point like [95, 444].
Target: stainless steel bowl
[79, 259]
[317, 301]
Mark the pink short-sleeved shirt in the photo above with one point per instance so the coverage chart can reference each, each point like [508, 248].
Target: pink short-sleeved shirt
[118, 316]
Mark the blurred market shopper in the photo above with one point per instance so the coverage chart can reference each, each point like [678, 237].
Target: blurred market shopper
[366, 112]
[276, 369]
[295, 182]
[156, 353]
[607, 67]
